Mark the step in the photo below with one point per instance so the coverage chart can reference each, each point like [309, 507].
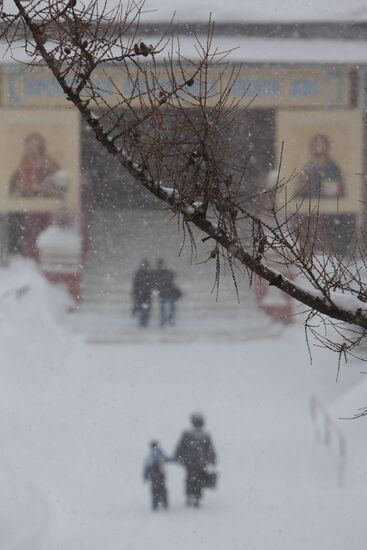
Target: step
[106, 330]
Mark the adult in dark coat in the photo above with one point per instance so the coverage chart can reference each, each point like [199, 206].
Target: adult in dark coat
[195, 451]
[142, 293]
[168, 293]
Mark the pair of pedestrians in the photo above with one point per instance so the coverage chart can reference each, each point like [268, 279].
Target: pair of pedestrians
[146, 281]
[195, 452]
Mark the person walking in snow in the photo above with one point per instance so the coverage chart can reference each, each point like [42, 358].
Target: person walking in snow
[195, 451]
[168, 293]
[154, 472]
[142, 293]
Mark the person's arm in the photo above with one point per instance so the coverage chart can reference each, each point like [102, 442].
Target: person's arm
[165, 458]
[136, 286]
[146, 471]
[181, 450]
[211, 454]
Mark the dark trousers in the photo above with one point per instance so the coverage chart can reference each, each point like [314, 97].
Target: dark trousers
[159, 494]
[195, 483]
[143, 314]
[167, 309]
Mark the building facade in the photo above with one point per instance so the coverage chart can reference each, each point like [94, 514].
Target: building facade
[288, 98]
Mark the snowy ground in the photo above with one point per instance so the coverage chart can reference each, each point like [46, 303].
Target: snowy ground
[76, 420]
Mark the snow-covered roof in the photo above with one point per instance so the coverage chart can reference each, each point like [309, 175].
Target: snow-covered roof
[254, 49]
[246, 11]
[258, 50]
[277, 50]
[257, 11]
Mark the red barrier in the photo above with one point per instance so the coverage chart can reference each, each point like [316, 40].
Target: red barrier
[329, 433]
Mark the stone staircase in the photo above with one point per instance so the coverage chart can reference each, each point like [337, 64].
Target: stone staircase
[119, 240]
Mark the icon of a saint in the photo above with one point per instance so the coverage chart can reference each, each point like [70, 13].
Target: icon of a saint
[34, 174]
[321, 177]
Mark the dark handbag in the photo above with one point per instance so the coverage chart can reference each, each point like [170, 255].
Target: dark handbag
[176, 293]
[211, 479]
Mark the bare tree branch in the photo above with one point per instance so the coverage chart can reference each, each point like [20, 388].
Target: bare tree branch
[176, 132]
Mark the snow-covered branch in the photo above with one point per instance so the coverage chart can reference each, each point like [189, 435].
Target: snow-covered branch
[177, 132]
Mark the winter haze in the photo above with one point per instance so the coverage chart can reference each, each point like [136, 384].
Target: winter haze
[115, 345]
